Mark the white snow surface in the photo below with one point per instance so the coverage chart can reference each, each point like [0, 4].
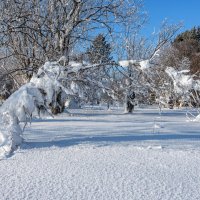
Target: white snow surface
[97, 154]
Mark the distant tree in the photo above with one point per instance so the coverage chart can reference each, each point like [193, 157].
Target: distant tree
[183, 55]
[193, 34]
[100, 50]
[145, 76]
[188, 45]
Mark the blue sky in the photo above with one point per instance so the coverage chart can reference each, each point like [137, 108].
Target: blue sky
[187, 11]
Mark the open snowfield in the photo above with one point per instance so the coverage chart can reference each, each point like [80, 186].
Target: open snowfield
[104, 155]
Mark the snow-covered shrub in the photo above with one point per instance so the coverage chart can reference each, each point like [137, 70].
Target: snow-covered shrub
[18, 108]
[44, 91]
[48, 81]
[183, 84]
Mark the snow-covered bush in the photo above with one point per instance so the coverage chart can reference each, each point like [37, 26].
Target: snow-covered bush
[186, 86]
[183, 84]
[18, 108]
[44, 91]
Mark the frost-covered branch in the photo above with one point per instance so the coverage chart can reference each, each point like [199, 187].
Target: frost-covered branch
[46, 91]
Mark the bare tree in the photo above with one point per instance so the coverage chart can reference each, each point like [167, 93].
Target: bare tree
[143, 72]
[32, 32]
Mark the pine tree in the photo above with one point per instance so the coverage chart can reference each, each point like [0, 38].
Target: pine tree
[100, 50]
[100, 53]
[188, 45]
[193, 34]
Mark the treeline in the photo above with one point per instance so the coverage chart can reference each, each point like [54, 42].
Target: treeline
[94, 32]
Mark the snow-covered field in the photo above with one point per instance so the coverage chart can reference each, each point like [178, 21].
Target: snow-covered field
[102, 155]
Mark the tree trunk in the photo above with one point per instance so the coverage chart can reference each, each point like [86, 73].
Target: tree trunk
[129, 104]
[129, 107]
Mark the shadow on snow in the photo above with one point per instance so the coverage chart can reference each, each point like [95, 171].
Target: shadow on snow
[108, 140]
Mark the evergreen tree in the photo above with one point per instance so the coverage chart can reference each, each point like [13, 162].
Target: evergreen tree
[100, 53]
[193, 34]
[100, 50]
[188, 45]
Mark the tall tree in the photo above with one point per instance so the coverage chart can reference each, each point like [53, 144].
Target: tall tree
[141, 69]
[100, 50]
[32, 32]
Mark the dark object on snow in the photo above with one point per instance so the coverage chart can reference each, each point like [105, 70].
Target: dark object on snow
[130, 102]
[6, 89]
[171, 103]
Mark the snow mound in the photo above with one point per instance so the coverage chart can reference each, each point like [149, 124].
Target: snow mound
[40, 93]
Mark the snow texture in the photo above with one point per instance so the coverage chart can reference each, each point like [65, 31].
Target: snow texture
[96, 154]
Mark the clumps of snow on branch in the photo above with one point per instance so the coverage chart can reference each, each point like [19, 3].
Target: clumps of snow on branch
[41, 92]
[47, 91]
[181, 81]
[183, 84]
[17, 108]
[126, 63]
[143, 64]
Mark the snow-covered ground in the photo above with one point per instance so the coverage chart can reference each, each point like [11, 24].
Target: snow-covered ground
[99, 154]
